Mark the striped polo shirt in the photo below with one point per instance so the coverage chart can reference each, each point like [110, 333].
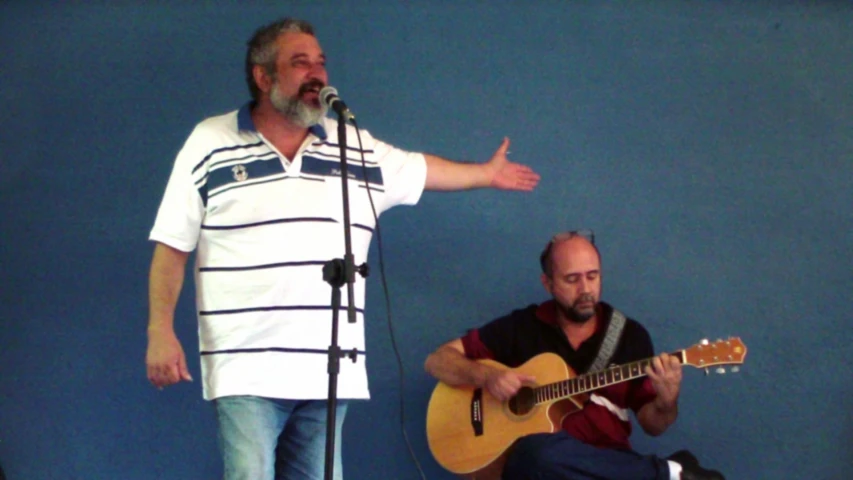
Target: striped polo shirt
[262, 227]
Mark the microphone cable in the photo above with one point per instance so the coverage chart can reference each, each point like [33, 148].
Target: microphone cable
[384, 282]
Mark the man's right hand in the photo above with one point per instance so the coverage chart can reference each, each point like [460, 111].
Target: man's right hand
[503, 384]
[165, 360]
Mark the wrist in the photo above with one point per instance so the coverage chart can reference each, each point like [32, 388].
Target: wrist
[484, 376]
[160, 328]
[488, 173]
[664, 407]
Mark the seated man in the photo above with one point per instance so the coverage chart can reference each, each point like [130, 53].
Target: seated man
[593, 442]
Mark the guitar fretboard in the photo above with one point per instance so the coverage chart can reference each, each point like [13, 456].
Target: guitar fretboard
[594, 380]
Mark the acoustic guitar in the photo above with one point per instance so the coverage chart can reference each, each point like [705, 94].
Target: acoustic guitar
[470, 432]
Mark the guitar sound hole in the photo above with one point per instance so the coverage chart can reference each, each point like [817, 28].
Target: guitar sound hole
[523, 401]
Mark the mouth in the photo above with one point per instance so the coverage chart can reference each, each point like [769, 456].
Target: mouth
[311, 90]
[585, 303]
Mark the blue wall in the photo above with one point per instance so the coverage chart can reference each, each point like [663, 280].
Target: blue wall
[708, 144]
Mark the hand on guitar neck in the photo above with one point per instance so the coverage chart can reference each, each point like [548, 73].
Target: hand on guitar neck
[665, 375]
[664, 372]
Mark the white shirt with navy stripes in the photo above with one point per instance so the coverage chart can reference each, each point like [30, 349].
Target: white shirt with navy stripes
[263, 226]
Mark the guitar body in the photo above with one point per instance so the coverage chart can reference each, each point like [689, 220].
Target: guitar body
[470, 432]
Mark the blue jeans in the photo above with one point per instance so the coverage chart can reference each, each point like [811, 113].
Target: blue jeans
[559, 456]
[276, 439]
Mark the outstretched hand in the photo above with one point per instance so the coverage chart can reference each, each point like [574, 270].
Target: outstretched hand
[507, 175]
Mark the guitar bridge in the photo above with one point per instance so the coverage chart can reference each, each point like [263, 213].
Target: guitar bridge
[477, 412]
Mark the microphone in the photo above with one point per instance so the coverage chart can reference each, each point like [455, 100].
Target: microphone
[329, 97]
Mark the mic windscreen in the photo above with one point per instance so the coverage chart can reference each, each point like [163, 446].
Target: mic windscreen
[327, 95]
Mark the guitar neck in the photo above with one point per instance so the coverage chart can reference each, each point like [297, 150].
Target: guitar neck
[596, 380]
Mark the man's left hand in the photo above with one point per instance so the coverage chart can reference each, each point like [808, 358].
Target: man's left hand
[665, 374]
[508, 175]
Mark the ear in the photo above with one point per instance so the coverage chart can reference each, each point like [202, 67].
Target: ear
[262, 79]
[547, 283]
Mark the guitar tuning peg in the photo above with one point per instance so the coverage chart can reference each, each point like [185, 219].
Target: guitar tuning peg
[707, 372]
[735, 369]
[704, 341]
[721, 371]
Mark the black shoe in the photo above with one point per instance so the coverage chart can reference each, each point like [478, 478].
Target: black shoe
[690, 469]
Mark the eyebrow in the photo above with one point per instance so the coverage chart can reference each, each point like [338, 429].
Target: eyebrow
[583, 273]
[299, 55]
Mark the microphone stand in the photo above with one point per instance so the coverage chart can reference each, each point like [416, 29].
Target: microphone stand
[336, 273]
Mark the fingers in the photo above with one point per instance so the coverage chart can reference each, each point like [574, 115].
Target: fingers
[650, 372]
[513, 383]
[657, 366]
[504, 147]
[656, 370]
[524, 176]
[507, 384]
[526, 172]
[665, 363]
[154, 376]
[515, 176]
[664, 360]
[150, 374]
[164, 375]
[674, 364]
[184, 371]
[506, 387]
[527, 178]
[165, 362]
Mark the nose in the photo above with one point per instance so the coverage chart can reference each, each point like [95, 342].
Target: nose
[318, 71]
[584, 285]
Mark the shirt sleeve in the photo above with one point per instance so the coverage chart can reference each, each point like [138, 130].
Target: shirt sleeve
[475, 349]
[182, 208]
[498, 339]
[403, 173]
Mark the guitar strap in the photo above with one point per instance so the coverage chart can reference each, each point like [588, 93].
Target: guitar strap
[608, 345]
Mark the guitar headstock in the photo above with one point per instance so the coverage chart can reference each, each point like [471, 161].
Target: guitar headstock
[722, 352]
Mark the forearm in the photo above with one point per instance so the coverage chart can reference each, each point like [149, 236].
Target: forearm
[165, 281]
[453, 368]
[655, 418]
[447, 175]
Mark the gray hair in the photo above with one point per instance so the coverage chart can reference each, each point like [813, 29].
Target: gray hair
[262, 47]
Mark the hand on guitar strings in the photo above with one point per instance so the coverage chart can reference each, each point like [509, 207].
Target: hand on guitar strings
[503, 384]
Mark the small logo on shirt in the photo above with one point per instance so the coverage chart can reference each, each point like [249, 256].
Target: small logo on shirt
[240, 173]
[336, 172]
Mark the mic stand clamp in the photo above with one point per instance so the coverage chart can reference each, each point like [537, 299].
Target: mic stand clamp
[333, 274]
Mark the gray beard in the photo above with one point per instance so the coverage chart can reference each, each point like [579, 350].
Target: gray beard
[296, 110]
